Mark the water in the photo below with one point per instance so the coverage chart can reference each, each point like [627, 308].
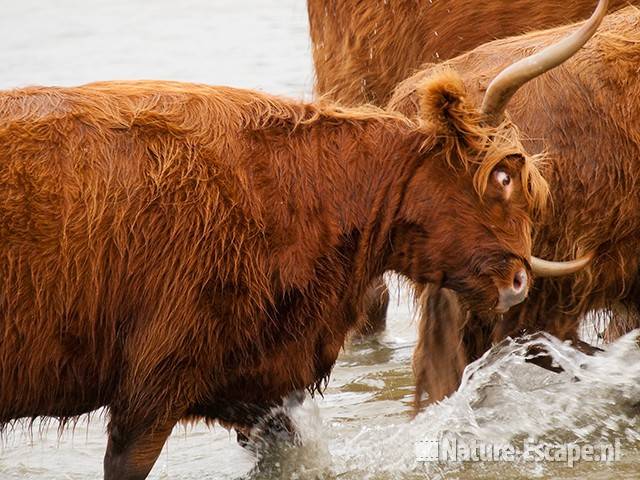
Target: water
[362, 428]
[258, 44]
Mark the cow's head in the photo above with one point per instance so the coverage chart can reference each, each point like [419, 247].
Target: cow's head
[466, 216]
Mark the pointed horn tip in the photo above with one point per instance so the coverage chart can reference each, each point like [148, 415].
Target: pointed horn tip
[509, 80]
[547, 268]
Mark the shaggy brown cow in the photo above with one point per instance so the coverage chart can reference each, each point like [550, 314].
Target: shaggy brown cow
[593, 145]
[362, 50]
[172, 250]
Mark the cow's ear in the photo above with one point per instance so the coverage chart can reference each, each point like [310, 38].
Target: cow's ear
[443, 105]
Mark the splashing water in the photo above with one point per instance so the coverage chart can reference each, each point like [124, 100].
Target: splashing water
[502, 400]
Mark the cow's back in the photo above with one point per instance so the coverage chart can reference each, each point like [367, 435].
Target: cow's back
[362, 50]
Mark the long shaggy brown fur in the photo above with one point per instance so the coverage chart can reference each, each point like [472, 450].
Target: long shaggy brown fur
[585, 116]
[362, 50]
[174, 251]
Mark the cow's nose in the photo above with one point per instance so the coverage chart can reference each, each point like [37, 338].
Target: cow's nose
[515, 293]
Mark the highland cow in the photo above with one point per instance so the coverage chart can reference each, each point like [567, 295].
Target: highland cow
[593, 159]
[362, 50]
[172, 251]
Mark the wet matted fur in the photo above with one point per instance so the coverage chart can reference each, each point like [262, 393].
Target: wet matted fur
[175, 251]
[584, 115]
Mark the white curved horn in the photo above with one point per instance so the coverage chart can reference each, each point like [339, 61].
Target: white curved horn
[546, 268]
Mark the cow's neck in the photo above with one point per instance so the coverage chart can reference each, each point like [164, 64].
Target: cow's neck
[376, 180]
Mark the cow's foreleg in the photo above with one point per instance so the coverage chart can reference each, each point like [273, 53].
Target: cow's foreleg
[268, 425]
[539, 356]
[372, 319]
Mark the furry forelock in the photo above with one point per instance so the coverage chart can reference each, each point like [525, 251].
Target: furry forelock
[468, 142]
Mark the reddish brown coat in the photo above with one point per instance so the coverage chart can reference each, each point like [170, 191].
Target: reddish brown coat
[171, 250]
[362, 50]
[593, 166]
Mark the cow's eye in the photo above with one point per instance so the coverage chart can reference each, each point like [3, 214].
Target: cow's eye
[503, 178]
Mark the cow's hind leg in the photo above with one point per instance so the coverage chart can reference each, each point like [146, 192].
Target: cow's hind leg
[140, 424]
[133, 450]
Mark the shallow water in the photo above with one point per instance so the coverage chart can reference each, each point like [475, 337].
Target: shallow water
[362, 427]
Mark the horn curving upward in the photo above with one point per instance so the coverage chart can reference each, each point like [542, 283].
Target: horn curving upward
[509, 80]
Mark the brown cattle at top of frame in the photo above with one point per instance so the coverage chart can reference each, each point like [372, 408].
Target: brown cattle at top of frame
[362, 50]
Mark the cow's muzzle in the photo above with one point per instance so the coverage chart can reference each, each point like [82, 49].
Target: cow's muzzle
[515, 293]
